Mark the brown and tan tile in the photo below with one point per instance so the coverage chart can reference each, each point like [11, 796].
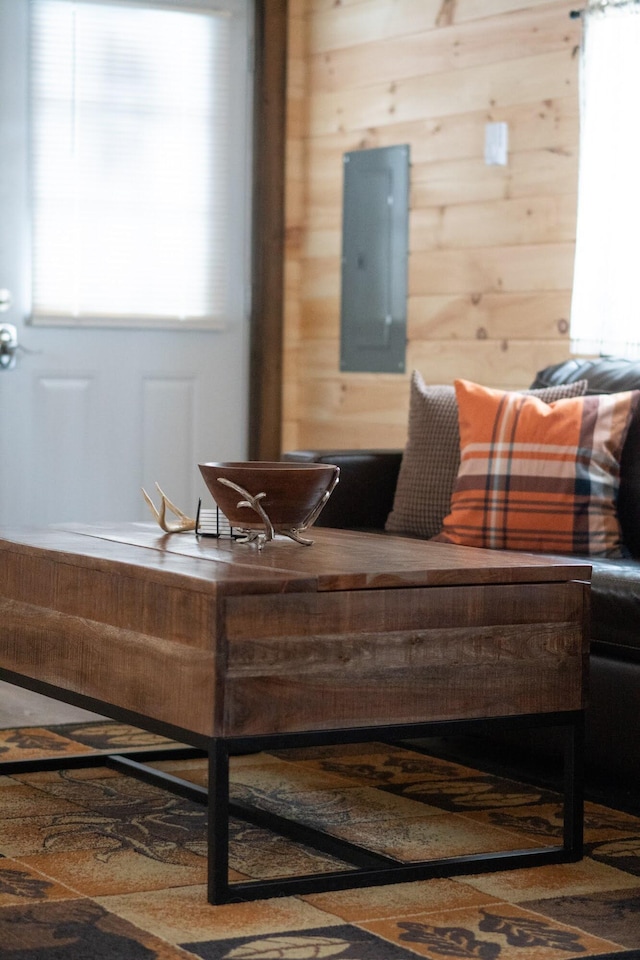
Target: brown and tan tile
[388, 766]
[614, 914]
[140, 852]
[397, 900]
[94, 874]
[258, 853]
[28, 743]
[560, 879]
[109, 735]
[183, 915]
[21, 883]
[78, 927]
[325, 808]
[434, 837]
[500, 930]
[22, 800]
[545, 821]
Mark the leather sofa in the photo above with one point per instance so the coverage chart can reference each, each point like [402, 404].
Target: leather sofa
[364, 498]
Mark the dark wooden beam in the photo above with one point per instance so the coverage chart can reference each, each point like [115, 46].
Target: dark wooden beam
[265, 383]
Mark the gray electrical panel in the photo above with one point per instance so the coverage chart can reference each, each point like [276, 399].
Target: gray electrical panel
[375, 229]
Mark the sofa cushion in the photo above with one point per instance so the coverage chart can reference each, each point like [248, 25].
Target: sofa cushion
[609, 375]
[537, 476]
[432, 456]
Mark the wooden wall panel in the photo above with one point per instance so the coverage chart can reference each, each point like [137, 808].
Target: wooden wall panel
[491, 247]
[437, 95]
[525, 32]
[490, 316]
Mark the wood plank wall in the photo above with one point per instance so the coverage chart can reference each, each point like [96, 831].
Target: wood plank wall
[491, 247]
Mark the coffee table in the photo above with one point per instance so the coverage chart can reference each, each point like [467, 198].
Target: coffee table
[360, 637]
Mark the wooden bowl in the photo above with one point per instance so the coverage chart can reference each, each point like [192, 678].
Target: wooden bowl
[294, 492]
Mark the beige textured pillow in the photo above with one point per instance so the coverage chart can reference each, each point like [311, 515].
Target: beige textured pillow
[432, 455]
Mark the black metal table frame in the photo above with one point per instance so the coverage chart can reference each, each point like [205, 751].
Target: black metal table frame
[368, 868]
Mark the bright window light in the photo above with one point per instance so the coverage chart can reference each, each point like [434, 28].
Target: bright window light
[605, 308]
[140, 126]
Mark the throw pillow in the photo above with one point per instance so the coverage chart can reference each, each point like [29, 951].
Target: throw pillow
[538, 476]
[432, 456]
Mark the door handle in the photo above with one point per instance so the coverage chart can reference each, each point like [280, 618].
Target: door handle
[8, 346]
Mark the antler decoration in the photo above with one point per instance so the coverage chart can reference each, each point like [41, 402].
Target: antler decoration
[184, 523]
[253, 502]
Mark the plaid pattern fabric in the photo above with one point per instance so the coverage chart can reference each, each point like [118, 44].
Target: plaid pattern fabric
[537, 476]
[432, 455]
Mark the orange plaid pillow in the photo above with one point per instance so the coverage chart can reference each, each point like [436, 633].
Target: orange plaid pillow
[538, 476]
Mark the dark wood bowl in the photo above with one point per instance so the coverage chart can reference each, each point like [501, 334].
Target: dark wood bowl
[293, 491]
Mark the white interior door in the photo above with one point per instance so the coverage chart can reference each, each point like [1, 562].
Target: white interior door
[88, 416]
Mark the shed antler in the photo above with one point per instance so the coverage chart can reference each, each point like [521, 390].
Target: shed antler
[184, 523]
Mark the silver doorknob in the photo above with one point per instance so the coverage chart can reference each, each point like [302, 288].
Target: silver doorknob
[8, 346]
[5, 299]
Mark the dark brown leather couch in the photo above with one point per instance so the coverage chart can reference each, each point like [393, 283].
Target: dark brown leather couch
[364, 497]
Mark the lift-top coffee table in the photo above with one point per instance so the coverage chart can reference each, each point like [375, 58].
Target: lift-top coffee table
[227, 648]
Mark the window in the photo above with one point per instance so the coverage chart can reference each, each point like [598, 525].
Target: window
[140, 161]
[605, 313]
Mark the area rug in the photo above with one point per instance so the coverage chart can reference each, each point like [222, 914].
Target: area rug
[95, 865]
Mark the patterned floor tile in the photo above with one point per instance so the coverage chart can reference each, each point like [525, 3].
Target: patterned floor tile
[140, 852]
[31, 742]
[602, 823]
[20, 883]
[182, 915]
[195, 771]
[40, 778]
[111, 736]
[25, 836]
[270, 777]
[384, 765]
[22, 800]
[337, 943]
[623, 853]
[561, 879]
[170, 829]
[103, 790]
[473, 793]
[80, 928]
[500, 931]
[613, 914]
[257, 853]
[328, 808]
[397, 900]
[446, 835]
[104, 873]
[544, 821]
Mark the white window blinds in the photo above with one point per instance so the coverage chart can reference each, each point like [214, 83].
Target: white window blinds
[140, 127]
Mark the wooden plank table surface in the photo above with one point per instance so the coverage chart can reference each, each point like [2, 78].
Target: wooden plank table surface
[224, 639]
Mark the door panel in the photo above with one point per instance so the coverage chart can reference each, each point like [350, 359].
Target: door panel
[89, 416]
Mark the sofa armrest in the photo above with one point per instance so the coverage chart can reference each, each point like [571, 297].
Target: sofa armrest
[364, 496]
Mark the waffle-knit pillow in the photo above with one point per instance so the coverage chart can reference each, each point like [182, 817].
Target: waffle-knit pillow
[432, 455]
[538, 476]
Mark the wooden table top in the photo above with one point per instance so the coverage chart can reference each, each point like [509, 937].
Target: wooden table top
[219, 638]
[337, 560]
